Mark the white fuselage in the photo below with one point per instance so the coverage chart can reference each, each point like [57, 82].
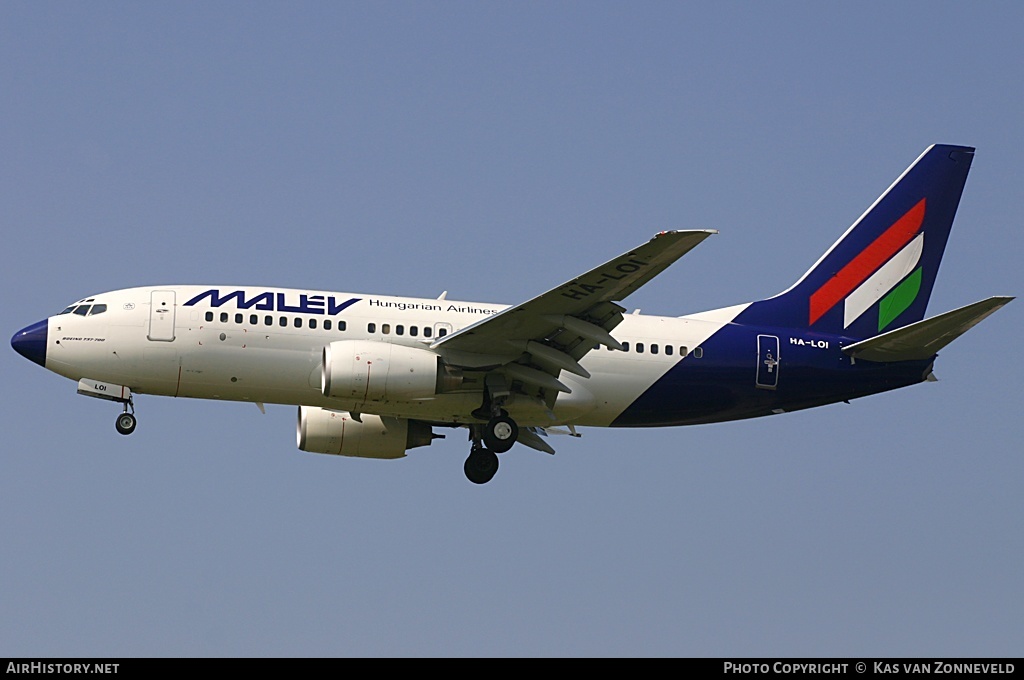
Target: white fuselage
[266, 346]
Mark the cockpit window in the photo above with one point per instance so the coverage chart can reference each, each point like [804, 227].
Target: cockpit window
[85, 310]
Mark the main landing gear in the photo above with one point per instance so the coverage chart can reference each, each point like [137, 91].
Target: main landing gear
[500, 433]
[497, 435]
[481, 465]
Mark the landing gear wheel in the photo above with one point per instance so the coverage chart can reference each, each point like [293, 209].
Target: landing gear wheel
[125, 423]
[500, 434]
[481, 466]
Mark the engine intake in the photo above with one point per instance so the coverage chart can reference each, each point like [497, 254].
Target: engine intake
[339, 434]
[361, 370]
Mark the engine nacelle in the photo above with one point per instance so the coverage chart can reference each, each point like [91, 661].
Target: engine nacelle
[361, 370]
[338, 433]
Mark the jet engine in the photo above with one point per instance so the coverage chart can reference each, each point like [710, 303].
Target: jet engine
[361, 370]
[340, 434]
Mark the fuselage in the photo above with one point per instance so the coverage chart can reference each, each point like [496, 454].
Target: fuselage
[265, 345]
[373, 375]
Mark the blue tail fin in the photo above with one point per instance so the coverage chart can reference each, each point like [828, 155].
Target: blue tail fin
[879, 275]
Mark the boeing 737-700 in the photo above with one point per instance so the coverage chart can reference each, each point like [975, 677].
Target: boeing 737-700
[374, 376]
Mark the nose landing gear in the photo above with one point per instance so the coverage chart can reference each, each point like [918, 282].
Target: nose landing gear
[126, 422]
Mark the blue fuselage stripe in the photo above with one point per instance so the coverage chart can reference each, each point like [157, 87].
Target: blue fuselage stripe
[723, 384]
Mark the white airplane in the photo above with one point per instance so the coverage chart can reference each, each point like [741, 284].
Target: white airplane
[375, 375]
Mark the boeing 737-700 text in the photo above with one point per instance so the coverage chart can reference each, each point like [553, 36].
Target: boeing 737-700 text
[373, 376]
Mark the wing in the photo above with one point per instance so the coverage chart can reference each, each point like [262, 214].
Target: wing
[554, 330]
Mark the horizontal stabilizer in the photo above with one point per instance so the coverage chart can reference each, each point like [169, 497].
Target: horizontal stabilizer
[925, 338]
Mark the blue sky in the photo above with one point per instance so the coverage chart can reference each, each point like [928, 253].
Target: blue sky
[495, 150]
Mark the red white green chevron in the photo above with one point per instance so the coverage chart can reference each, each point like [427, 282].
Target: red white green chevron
[886, 270]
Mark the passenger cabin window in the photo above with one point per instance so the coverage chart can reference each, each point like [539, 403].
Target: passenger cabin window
[625, 347]
[341, 325]
[441, 332]
[668, 350]
[654, 348]
[312, 323]
[683, 351]
[414, 331]
[639, 348]
[283, 321]
[698, 352]
[254, 319]
[209, 316]
[427, 331]
[298, 322]
[371, 328]
[385, 328]
[399, 330]
[327, 324]
[238, 318]
[223, 317]
[268, 320]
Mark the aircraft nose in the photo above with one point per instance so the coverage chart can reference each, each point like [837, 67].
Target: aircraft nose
[30, 342]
